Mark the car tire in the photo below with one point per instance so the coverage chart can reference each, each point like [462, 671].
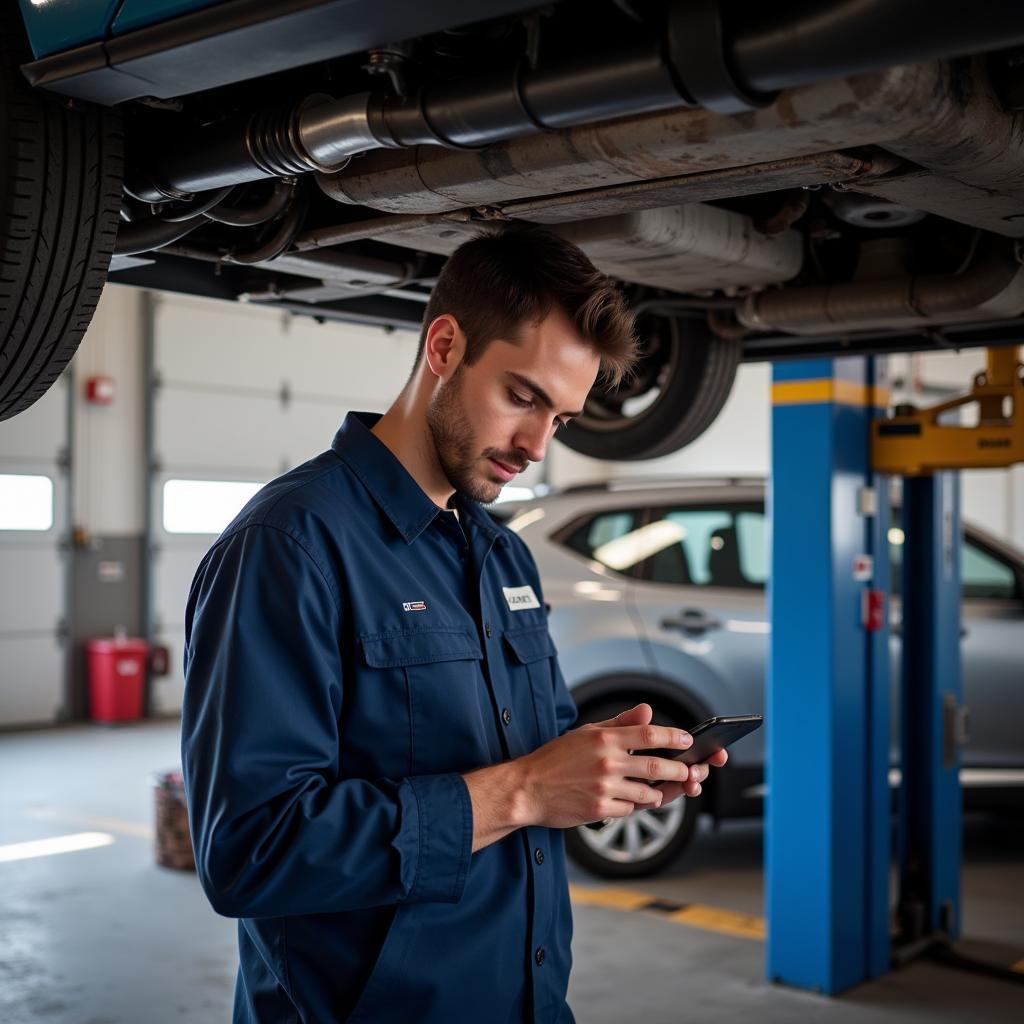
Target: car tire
[61, 168]
[684, 377]
[606, 852]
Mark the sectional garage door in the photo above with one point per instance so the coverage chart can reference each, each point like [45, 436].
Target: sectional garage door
[238, 396]
[34, 561]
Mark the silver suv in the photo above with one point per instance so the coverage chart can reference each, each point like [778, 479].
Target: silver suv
[657, 593]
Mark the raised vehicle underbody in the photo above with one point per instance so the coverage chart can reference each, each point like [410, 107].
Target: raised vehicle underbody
[816, 179]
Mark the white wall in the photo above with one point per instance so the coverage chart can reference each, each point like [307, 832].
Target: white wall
[354, 366]
[363, 367]
[108, 441]
[738, 443]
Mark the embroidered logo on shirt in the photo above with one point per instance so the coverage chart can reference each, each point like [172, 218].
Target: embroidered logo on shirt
[520, 598]
[414, 606]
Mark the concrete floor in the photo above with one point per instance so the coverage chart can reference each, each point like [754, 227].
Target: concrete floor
[102, 936]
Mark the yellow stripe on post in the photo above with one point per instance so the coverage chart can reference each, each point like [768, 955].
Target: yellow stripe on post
[829, 389]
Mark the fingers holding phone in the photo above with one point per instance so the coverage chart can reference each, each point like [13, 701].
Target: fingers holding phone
[710, 739]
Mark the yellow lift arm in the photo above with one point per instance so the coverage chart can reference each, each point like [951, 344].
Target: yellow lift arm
[915, 443]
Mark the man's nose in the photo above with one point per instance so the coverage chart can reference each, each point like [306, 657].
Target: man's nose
[533, 441]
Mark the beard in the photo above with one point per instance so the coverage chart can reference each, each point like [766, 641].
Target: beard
[456, 447]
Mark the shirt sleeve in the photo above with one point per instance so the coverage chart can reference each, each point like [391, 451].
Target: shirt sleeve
[276, 831]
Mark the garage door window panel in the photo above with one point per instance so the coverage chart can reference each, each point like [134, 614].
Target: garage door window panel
[204, 506]
[26, 502]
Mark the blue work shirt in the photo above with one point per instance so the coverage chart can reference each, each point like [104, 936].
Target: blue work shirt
[350, 650]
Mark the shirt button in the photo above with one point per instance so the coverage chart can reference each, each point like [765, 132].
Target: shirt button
[487, 629]
[538, 855]
[540, 957]
[506, 716]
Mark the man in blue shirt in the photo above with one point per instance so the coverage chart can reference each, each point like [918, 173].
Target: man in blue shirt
[377, 740]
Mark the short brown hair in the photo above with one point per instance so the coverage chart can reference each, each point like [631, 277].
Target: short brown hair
[496, 282]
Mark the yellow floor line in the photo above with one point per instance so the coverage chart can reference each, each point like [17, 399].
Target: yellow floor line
[715, 919]
[116, 825]
[694, 915]
[618, 899]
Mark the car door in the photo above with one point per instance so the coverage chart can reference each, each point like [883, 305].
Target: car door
[992, 652]
[993, 660]
[700, 597]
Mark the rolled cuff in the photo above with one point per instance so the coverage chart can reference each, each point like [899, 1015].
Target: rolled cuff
[444, 815]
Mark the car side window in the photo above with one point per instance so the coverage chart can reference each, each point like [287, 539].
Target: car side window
[708, 547]
[752, 534]
[982, 574]
[611, 538]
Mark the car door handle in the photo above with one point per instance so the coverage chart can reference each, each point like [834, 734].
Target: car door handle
[692, 621]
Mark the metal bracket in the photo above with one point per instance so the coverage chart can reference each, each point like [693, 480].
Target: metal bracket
[955, 729]
[697, 48]
[914, 443]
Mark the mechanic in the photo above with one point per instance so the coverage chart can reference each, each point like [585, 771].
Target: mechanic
[376, 737]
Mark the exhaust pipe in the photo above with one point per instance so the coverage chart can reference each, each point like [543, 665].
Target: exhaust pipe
[699, 60]
[323, 134]
[991, 289]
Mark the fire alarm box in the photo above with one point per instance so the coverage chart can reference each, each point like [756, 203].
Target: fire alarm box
[100, 390]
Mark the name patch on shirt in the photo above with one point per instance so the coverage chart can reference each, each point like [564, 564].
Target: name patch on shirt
[520, 598]
[414, 606]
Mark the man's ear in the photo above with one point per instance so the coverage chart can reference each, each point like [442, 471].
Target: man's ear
[445, 346]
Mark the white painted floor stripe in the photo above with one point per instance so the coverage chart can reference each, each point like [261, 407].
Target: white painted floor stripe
[57, 844]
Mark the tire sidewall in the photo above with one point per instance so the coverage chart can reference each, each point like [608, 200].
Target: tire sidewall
[703, 368]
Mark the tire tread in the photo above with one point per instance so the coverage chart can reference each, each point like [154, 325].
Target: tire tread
[56, 235]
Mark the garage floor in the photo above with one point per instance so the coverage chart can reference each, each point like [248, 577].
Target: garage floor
[102, 936]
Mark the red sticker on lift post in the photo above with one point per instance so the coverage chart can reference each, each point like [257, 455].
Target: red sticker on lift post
[863, 568]
[873, 610]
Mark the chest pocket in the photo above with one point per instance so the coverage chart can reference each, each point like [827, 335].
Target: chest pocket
[532, 653]
[432, 682]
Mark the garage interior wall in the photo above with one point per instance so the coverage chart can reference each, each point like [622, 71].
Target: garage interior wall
[108, 481]
[244, 393]
[241, 395]
[34, 561]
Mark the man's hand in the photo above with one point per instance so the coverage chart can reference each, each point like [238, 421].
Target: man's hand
[586, 775]
[641, 715]
[591, 772]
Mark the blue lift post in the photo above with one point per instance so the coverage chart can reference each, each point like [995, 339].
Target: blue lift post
[931, 716]
[927, 447]
[828, 719]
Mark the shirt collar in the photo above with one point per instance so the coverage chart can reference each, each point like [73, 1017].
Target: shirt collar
[392, 486]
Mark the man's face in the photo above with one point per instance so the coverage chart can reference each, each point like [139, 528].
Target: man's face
[489, 421]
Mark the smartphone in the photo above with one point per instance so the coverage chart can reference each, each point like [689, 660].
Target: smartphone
[709, 737]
